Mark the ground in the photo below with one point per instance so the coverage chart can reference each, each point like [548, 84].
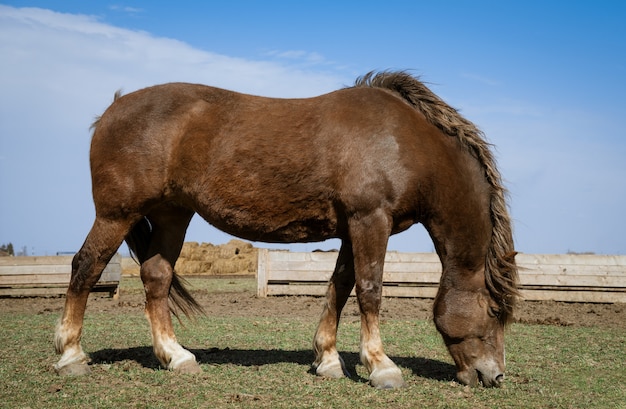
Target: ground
[240, 300]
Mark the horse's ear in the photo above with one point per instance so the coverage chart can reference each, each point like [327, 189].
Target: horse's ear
[510, 256]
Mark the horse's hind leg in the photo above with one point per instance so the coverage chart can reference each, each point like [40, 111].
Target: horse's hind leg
[100, 245]
[169, 225]
[328, 362]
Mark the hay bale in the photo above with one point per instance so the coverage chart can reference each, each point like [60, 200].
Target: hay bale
[233, 258]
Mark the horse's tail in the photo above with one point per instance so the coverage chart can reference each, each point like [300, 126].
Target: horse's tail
[138, 240]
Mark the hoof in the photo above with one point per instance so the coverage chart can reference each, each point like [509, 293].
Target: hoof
[188, 367]
[390, 378]
[75, 369]
[335, 369]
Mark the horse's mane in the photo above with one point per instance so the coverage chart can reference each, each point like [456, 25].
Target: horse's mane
[501, 275]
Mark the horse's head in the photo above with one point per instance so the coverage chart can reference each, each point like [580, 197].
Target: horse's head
[471, 327]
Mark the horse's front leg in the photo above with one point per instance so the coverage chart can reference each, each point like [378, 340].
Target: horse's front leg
[156, 274]
[369, 243]
[328, 362]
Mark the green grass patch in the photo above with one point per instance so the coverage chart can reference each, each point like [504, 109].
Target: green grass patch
[265, 362]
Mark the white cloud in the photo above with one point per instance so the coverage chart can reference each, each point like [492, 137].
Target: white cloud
[126, 9]
[97, 51]
[58, 71]
[306, 57]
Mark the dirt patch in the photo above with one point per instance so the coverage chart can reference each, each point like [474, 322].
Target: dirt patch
[572, 314]
[244, 303]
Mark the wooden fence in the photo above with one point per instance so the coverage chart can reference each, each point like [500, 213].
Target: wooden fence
[50, 275]
[568, 277]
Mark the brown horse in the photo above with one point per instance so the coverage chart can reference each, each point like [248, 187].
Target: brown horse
[358, 164]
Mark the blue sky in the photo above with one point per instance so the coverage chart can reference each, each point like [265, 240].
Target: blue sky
[544, 80]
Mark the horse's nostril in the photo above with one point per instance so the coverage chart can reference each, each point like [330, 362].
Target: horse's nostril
[500, 378]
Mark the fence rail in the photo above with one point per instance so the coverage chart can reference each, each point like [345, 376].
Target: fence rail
[566, 277]
[50, 275]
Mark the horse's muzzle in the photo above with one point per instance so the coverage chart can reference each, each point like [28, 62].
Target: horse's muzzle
[491, 382]
[488, 377]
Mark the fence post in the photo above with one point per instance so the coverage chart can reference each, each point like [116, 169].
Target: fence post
[262, 272]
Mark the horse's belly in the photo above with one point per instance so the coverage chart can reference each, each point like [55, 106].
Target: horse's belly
[296, 233]
[275, 224]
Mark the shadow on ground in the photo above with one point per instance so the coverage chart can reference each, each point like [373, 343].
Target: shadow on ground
[421, 367]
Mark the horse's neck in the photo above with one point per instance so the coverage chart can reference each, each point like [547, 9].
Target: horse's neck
[462, 249]
[463, 278]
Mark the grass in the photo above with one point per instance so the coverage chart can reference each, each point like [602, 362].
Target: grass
[132, 284]
[265, 361]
